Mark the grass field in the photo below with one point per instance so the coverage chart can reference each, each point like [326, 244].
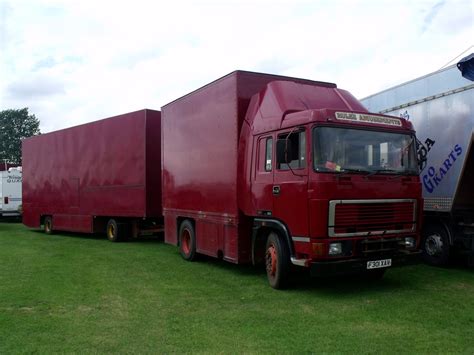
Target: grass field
[75, 293]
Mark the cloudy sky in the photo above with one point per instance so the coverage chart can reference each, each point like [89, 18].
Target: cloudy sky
[72, 62]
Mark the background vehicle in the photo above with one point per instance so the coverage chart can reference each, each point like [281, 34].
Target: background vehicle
[103, 176]
[283, 171]
[441, 107]
[10, 192]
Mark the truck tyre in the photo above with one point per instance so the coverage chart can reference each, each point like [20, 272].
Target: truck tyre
[187, 241]
[48, 225]
[435, 245]
[115, 231]
[277, 261]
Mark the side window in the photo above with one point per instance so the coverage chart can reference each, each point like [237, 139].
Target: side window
[264, 162]
[297, 149]
[268, 154]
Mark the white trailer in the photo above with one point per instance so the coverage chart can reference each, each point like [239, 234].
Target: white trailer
[441, 107]
[10, 192]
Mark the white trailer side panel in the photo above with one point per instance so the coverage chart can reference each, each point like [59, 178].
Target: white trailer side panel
[441, 107]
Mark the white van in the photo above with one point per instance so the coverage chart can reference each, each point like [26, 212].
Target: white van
[10, 192]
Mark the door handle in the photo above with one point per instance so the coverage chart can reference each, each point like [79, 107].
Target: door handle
[276, 190]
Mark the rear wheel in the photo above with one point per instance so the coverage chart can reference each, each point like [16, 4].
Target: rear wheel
[116, 232]
[435, 245]
[277, 261]
[48, 225]
[187, 241]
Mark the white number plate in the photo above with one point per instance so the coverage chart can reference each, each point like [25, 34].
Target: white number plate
[376, 264]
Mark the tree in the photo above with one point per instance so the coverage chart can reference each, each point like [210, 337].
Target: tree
[15, 125]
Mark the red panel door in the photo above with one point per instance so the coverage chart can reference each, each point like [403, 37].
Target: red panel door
[290, 184]
[263, 175]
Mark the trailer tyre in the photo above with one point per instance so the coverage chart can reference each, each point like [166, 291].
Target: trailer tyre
[48, 225]
[277, 261]
[435, 245]
[187, 241]
[116, 232]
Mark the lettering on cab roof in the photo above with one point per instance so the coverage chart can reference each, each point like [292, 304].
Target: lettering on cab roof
[358, 117]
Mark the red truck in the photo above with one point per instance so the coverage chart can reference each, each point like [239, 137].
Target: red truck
[255, 168]
[287, 171]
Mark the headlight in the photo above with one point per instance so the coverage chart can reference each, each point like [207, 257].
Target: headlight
[410, 242]
[335, 249]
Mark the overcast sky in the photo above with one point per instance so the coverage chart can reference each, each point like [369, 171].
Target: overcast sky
[73, 62]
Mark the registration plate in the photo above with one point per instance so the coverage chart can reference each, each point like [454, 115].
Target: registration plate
[376, 264]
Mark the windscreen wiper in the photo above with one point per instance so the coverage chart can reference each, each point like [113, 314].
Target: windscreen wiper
[393, 172]
[382, 170]
[378, 171]
[344, 171]
[351, 170]
[405, 173]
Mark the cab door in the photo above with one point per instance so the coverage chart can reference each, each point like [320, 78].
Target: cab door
[290, 181]
[262, 183]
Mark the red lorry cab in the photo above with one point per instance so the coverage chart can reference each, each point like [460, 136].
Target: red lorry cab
[279, 170]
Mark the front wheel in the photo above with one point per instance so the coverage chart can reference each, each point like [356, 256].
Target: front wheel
[277, 261]
[435, 245]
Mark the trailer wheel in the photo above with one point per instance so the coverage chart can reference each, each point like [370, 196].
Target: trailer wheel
[277, 261]
[115, 231]
[48, 225]
[435, 245]
[187, 241]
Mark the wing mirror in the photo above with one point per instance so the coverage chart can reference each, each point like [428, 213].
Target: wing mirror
[284, 151]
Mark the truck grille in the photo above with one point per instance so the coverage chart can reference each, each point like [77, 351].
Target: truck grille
[379, 247]
[371, 217]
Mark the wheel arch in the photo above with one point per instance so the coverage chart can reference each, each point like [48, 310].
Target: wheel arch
[261, 229]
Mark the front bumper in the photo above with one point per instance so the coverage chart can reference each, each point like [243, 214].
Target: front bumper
[354, 266]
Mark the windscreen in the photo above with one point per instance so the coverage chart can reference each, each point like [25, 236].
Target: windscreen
[353, 150]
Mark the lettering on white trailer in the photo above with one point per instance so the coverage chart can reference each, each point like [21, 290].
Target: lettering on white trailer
[434, 176]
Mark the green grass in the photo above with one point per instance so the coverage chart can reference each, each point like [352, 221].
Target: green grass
[76, 293]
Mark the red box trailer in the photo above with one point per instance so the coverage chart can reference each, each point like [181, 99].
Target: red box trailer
[283, 171]
[100, 176]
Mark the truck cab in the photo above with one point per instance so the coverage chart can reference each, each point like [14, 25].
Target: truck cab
[332, 187]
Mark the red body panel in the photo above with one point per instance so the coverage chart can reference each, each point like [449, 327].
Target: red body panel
[108, 168]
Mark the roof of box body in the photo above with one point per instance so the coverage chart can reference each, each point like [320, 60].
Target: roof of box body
[256, 74]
